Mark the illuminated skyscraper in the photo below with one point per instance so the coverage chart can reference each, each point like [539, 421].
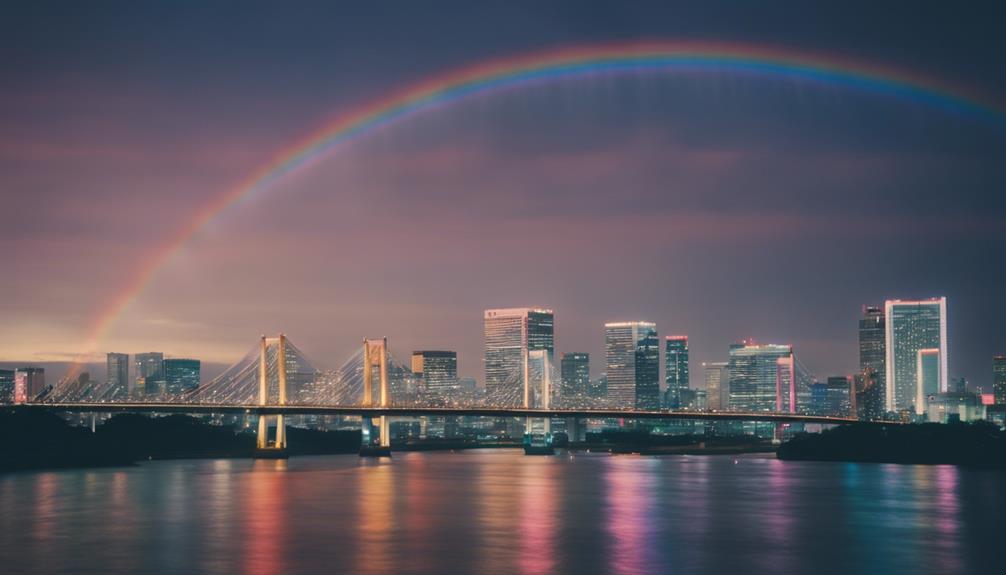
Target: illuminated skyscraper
[29, 382]
[149, 369]
[118, 375]
[181, 375]
[510, 334]
[632, 351]
[999, 379]
[834, 397]
[575, 368]
[439, 370]
[912, 326]
[717, 376]
[675, 369]
[762, 377]
[6, 386]
[872, 346]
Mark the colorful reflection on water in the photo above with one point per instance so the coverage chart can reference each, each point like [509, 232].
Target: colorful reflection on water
[497, 511]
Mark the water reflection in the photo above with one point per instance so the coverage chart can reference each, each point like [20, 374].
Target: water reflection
[266, 518]
[502, 512]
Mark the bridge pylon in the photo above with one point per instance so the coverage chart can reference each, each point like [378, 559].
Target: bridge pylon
[375, 354]
[277, 448]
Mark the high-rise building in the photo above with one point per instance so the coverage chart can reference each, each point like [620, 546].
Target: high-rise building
[912, 326]
[762, 377]
[869, 396]
[633, 364]
[181, 375]
[6, 386]
[575, 373]
[149, 370]
[717, 377]
[872, 344]
[675, 370]
[118, 374]
[438, 369]
[510, 335]
[834, 397]
[29, 382]
[999, 379]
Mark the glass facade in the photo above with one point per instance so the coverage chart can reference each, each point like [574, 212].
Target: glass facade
[676, 371]
[149, 371]
[509, 335]
[717, 377]
[117, 365]
[438, 369]
[575, 368]
[6, 386]
[872, 344]
[632, 352]
[181, 375]
[757, 376]
[999, 379]
[912, 326]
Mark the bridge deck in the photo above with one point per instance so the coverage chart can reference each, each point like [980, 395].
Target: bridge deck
[415, 411]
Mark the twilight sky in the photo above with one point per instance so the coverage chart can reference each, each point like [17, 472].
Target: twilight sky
[716, 204]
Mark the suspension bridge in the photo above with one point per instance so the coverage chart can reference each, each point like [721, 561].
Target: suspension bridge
[275, 380]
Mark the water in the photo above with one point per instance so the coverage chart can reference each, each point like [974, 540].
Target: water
[498, 511]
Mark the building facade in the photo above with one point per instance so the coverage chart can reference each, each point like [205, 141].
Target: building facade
[717, 378]
[181, 375]
[575, 373]
[762, 377]
[29, 382]
[438, 370]
[999, 379]
[148, 368]
[872, 344]
[117, 365]
[6, 386]
[912, 326]
[676, 371]
[632, 353]
[510, 334]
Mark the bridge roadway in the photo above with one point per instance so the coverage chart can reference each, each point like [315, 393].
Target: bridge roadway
[415, 411]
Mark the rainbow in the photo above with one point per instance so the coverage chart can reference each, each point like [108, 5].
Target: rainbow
[550, 66]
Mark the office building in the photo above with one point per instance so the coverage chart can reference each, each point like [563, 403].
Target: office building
[6, 386]
[181, 375]
[575, 374]
[149, 371]
[717, 378]
[29, 382]
[633, 364]
[438, 370]
[119, 385]
[912, 326]
[762, 377]
[869, 404]
[834, 397]
[510, 335]
[999, 379]
[675, 370]
[872, 344]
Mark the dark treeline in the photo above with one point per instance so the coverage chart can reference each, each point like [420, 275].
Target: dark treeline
[34, 440]
[977, 444]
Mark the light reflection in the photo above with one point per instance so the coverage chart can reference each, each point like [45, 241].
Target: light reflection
[374, 530]
[266, 521]
[628, 496]
[538, 524]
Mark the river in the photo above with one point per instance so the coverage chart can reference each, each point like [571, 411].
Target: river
[498, 511]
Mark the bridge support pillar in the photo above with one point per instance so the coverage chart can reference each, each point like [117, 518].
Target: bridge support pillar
[277, 448]
[375, 354]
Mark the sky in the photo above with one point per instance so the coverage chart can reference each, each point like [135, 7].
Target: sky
[717, 204]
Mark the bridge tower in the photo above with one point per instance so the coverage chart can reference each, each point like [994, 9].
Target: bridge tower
[375, 354]
[278, 447]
